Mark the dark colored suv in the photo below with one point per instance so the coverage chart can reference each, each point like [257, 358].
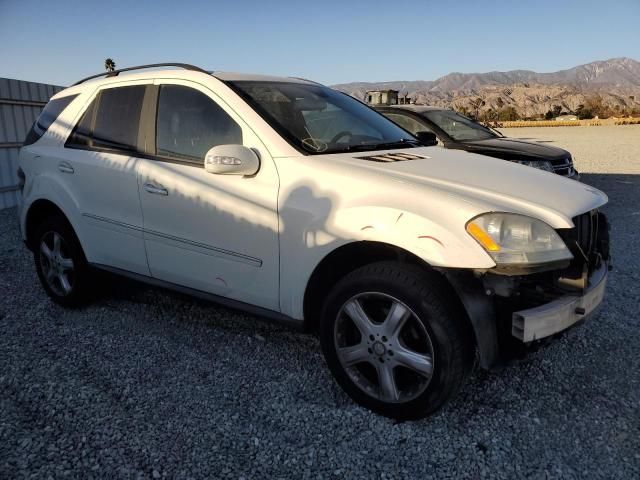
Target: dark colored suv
[456, 131]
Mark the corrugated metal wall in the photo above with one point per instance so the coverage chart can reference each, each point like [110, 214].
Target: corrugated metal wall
[20, 104]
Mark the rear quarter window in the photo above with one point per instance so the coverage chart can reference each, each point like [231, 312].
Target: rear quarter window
[111, 122]
[51, 111]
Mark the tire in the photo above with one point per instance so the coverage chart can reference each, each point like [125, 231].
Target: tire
[416, 349]
[60, 262]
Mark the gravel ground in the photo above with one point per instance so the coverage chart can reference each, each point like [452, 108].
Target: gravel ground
[152, 384]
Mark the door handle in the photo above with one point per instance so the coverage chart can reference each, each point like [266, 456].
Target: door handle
[65, 167]
[156, 190]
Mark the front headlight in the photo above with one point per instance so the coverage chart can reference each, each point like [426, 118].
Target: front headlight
[539, 164]
[517, 239]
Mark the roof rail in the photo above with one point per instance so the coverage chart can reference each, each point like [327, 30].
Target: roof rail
[115, 73]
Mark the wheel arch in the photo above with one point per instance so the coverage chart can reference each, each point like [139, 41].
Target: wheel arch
[480, 316]
[37, 212]
[338, 263]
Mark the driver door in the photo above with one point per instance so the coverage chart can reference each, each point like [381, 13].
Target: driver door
[210, 232]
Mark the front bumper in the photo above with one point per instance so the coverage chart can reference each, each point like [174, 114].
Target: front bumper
[558, 315]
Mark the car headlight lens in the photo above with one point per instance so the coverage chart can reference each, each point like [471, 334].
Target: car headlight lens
[539, 164]
[517, 239]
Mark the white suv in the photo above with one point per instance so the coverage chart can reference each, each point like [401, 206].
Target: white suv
[297, 202]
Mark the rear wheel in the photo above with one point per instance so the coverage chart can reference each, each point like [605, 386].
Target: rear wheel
[60, 263]
[396, 340]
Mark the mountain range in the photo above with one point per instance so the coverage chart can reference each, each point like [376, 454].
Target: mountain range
[616, 82]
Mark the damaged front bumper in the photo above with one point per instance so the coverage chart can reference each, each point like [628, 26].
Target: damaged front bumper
[558, 315]
[513, 312]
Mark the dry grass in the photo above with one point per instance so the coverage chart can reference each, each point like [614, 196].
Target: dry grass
[626, 121]
[571, 123]
[548, 123]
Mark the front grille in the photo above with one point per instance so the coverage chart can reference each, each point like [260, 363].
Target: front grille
[565, 168]
[588, 241]
[565, 171]
[586, 231]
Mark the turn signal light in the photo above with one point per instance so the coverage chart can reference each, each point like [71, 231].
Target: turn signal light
[482, 237]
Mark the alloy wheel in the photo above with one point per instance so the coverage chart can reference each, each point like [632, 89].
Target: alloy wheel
[56, 263]
[384, 348]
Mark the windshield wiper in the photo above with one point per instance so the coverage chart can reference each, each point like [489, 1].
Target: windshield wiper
[402, 143]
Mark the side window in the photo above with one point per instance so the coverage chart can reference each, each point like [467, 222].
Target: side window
[51, 111]
[81, 135]
[189, 123]
[118, 118]
[112, 120]
[407, 123]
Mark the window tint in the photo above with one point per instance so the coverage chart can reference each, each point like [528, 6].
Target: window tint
[112, 120]
[81, 135]
[190, 123]
[118, 118]
[51, 111]
[407, 123]
[457, 126]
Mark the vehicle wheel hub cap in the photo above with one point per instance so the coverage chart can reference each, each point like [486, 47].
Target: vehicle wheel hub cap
[379, 349]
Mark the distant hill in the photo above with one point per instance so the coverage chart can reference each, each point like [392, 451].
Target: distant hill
[615, 81]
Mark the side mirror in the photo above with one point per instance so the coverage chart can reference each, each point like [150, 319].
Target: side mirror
[428, 139]
[231, 160]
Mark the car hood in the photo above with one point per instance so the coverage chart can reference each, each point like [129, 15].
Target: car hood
[514, 149]
[483, 183]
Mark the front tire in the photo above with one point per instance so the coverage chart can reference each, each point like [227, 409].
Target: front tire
[396, 339]
[60, 263]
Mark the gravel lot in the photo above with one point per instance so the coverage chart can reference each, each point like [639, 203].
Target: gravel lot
[152, 384]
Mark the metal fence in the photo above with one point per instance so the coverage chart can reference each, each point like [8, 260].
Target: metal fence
[20, 104]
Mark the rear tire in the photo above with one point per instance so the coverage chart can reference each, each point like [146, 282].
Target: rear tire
[60, 262]
[396, 339]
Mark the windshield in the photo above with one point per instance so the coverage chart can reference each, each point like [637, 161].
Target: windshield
[317, 119]
[457, 126]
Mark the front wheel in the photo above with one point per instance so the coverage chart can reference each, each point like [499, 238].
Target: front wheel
[396, 340]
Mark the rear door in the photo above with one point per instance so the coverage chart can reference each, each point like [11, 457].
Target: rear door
[99, 162]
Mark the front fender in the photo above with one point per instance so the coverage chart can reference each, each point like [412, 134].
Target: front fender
[316, 236]
[437, 245]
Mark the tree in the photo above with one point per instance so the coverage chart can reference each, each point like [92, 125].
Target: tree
[490, 115]
[557, 109]
[500, 102]
[476, 105]
[583, 113]
[508, 114]
[548, 115]
[461, 109]
[109, 65]
[593, 106]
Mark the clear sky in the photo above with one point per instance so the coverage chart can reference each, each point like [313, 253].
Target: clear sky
[331, 41]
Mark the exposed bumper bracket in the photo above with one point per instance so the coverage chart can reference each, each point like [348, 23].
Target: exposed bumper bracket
[558, 315]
